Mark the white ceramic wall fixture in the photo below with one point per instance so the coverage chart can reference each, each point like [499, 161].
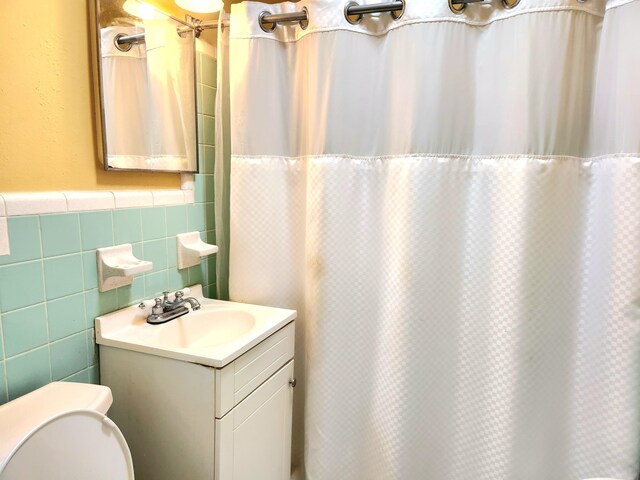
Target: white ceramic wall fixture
[117, 266]
[191, 249]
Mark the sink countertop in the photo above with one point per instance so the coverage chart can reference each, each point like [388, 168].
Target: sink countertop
[128, 329]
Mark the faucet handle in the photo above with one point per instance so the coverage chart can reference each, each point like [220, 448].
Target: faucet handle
[179, 294]
[157, 308]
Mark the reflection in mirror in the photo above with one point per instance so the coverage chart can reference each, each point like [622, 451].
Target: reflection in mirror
[147, 88]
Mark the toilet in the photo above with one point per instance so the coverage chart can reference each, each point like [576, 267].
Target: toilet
[60, 431]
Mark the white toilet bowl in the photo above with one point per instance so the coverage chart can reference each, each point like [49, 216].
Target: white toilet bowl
[60, 431]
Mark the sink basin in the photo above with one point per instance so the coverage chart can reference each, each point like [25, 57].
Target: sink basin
[205, 328]
[215, 335]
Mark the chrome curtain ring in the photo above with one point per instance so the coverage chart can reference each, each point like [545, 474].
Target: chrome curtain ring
[266, 26]
[397, 14]
[352, 19]
[305, 23]
[457, 8]
[124, 47]
[511, 3]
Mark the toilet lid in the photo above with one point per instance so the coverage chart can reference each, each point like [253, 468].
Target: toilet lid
[75, 445]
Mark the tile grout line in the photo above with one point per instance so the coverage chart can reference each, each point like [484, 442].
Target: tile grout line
[44, 290]
[76, 373]
[4, 361]
[6, 381]
[166, 247]
[84, 289]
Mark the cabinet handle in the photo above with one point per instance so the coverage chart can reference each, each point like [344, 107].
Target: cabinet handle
[293, 382]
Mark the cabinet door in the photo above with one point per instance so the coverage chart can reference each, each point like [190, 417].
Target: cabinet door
[253, 440]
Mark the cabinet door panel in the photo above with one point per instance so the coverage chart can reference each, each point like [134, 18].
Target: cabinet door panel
[253, 441]
[237, 380]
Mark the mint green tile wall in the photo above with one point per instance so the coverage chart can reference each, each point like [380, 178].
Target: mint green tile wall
[48, 287]
[49, 294]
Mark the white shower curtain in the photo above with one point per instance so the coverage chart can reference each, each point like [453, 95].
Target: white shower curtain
[149, 98]
[170, 72]
[452, 203]
[124, 81]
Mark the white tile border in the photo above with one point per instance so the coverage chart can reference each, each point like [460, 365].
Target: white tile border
[37, 203]
[78, 201]
[189, 196]
[168, 197]
[4, 237]
[133, 198]
[34, 203]
[188, 181]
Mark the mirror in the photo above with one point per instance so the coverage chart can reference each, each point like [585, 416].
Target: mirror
[145, 71]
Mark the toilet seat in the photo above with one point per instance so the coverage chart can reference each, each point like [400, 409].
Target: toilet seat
[60, 431]
[74, 445]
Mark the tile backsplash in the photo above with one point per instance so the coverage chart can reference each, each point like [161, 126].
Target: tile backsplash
[48, 285]
[49, 294]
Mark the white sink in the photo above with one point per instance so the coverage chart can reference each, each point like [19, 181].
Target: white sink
[205, 328]
[215, 335]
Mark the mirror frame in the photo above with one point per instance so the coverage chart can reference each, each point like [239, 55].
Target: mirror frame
[98, 93]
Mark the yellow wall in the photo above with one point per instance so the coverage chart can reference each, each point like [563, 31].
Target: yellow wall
[47, 120]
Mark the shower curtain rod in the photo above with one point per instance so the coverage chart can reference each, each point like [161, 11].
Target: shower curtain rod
[269, 21]
[139, 37]
[353, 12]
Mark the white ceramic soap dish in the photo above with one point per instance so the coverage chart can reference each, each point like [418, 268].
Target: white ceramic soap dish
[191, 249]
[117, 266]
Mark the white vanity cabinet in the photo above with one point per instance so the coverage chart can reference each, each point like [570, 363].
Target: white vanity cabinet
[253, 440]
[185, 420]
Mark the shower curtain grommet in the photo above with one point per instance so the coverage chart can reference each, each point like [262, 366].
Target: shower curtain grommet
[397, 14]
[457, 8]
[305, 23]
[508, 4]
[352, 19]
[265, 26]
[125, 47]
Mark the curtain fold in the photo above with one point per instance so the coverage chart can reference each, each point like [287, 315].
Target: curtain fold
[451, 204]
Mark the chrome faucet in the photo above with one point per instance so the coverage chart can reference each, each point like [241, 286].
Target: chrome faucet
[166, 310]
[168, 306]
